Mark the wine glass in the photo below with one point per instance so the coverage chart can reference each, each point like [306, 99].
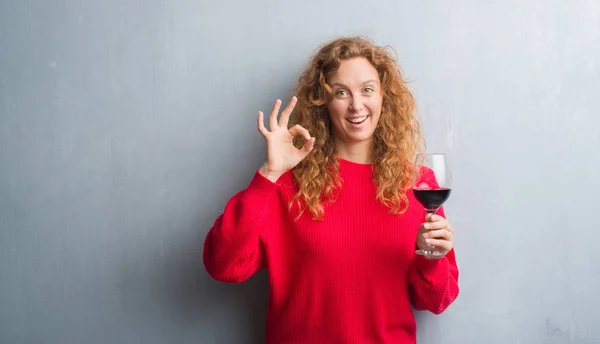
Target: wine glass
[431, 184]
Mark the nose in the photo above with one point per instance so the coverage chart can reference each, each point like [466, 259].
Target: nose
[356, 105]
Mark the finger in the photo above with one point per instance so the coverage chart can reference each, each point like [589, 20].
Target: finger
[438, 234]
[261, 124]
[273, 118]
[440, 244]
[435, 218]
[436, 225]
[298, 129]
[307, 147]
[285, 115]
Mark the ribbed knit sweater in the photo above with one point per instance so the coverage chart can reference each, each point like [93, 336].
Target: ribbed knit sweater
[351, 277]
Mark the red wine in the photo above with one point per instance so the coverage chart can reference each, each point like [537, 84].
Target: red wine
[432, 199]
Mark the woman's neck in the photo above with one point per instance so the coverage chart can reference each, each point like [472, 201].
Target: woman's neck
[359, 152]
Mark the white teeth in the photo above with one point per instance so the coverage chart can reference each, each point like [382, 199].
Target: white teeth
[357, 119]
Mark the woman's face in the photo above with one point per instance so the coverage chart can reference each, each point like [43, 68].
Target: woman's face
[356, 105]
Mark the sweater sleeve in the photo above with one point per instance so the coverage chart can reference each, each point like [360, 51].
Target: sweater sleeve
[433, 283]
[234, 248]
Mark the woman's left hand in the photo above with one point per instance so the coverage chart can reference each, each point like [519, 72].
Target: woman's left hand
[436, 232]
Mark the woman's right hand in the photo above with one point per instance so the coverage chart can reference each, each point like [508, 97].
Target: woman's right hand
[282, 155]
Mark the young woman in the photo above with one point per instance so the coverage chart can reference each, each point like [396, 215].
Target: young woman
[331, 214]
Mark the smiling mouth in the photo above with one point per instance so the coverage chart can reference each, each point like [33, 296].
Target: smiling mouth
[357, 120]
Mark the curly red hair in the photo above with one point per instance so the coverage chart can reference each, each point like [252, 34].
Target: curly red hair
[396, 140]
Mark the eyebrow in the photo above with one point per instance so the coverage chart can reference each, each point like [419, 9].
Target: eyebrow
[364, 83]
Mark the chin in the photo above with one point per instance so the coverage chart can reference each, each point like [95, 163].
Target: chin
[360, 137]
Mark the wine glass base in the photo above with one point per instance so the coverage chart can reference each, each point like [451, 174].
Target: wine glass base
[427, 253]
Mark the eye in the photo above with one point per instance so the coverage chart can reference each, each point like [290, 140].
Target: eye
[340, 93]
[369, 89]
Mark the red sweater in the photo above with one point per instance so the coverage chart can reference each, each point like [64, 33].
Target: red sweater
[351, 277]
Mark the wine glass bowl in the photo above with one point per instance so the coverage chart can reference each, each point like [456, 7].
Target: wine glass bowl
[431, 185]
